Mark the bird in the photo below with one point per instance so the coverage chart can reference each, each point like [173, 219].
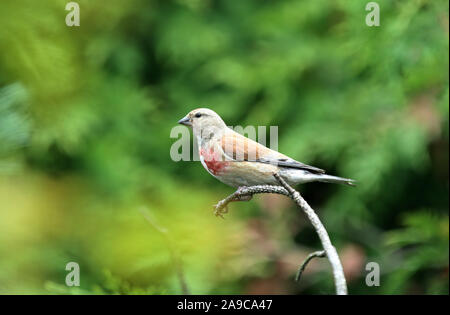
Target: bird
[240, 162]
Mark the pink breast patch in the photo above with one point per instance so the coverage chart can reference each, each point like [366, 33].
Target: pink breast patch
[213, 161]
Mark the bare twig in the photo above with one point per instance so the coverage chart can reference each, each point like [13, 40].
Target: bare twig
[221, 207]
[172, 249]
[330, 250]
[319, 253]
[285, 189]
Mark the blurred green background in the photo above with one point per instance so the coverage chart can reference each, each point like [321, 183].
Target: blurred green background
[85, 118]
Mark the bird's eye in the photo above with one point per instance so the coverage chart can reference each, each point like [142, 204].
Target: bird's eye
[198, 115]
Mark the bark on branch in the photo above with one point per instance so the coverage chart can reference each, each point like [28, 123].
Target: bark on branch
[285, 189]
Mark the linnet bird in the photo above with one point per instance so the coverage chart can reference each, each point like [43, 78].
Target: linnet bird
[239, 161]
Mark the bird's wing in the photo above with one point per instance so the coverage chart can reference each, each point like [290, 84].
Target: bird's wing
[239, 148]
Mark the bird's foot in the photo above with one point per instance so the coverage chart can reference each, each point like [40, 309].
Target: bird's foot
[221, 207]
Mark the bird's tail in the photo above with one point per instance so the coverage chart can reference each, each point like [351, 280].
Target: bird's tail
[335, 179]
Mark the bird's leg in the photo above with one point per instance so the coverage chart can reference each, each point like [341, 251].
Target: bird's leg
[222, 206]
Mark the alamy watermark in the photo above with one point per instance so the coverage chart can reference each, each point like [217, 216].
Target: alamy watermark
[183, 150]
[373, 17]
[73, 17]
[73, 277]
[373, 277]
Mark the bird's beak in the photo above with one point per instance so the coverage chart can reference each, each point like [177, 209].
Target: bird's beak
[185, 121]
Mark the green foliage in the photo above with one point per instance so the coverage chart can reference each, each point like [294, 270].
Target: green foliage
[424, 243]
[86, 114]
[14, 131]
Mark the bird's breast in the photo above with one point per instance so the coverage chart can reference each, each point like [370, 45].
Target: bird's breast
[212, 161]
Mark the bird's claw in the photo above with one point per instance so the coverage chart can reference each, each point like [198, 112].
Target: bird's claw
[220, 210]
[222, 206]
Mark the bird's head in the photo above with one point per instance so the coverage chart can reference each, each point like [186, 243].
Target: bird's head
[202, 119]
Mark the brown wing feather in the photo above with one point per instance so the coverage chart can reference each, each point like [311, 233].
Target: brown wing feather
[241, 148]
